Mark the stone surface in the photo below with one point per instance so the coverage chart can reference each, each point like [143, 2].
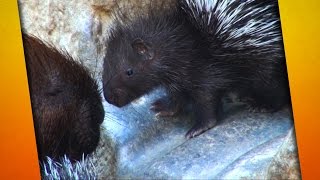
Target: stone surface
[242, 146]
[285, 164]
[79, 27]
[104, 158]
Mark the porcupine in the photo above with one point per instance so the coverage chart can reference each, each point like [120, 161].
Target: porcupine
[66, 103]
[199, 51]
[67, 112]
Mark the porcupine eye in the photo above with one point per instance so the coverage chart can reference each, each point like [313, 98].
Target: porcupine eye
[129, 72]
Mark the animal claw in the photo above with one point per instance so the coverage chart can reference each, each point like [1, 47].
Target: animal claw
[198, 129]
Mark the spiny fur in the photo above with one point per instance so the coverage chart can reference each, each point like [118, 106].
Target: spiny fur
[200, 50]
[101, 164]
[239, 24]
[66, 170]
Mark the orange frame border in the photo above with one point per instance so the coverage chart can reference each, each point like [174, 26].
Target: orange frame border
[301, 32]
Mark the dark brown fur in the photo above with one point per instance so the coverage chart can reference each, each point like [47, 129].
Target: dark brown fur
[198, 63]
[67, 108]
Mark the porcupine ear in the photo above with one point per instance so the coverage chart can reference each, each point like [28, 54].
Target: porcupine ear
[143, 48]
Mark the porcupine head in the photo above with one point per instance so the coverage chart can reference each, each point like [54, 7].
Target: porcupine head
[144, 54]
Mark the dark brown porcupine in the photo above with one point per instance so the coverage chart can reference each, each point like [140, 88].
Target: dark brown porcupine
[199, 51]
[66, 103]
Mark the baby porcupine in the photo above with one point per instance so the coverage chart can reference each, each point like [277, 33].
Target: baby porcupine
[199, 51]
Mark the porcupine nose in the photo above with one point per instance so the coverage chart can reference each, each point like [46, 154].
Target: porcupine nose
[111, 100]
[108, 96]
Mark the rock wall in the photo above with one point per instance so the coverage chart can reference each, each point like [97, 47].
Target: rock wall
[79, 27]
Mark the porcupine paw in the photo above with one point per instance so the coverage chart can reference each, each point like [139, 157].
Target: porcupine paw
[163, 108]
[200, 128]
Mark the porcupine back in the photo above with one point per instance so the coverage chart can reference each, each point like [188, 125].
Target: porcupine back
[243, 35]
[236, 24]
